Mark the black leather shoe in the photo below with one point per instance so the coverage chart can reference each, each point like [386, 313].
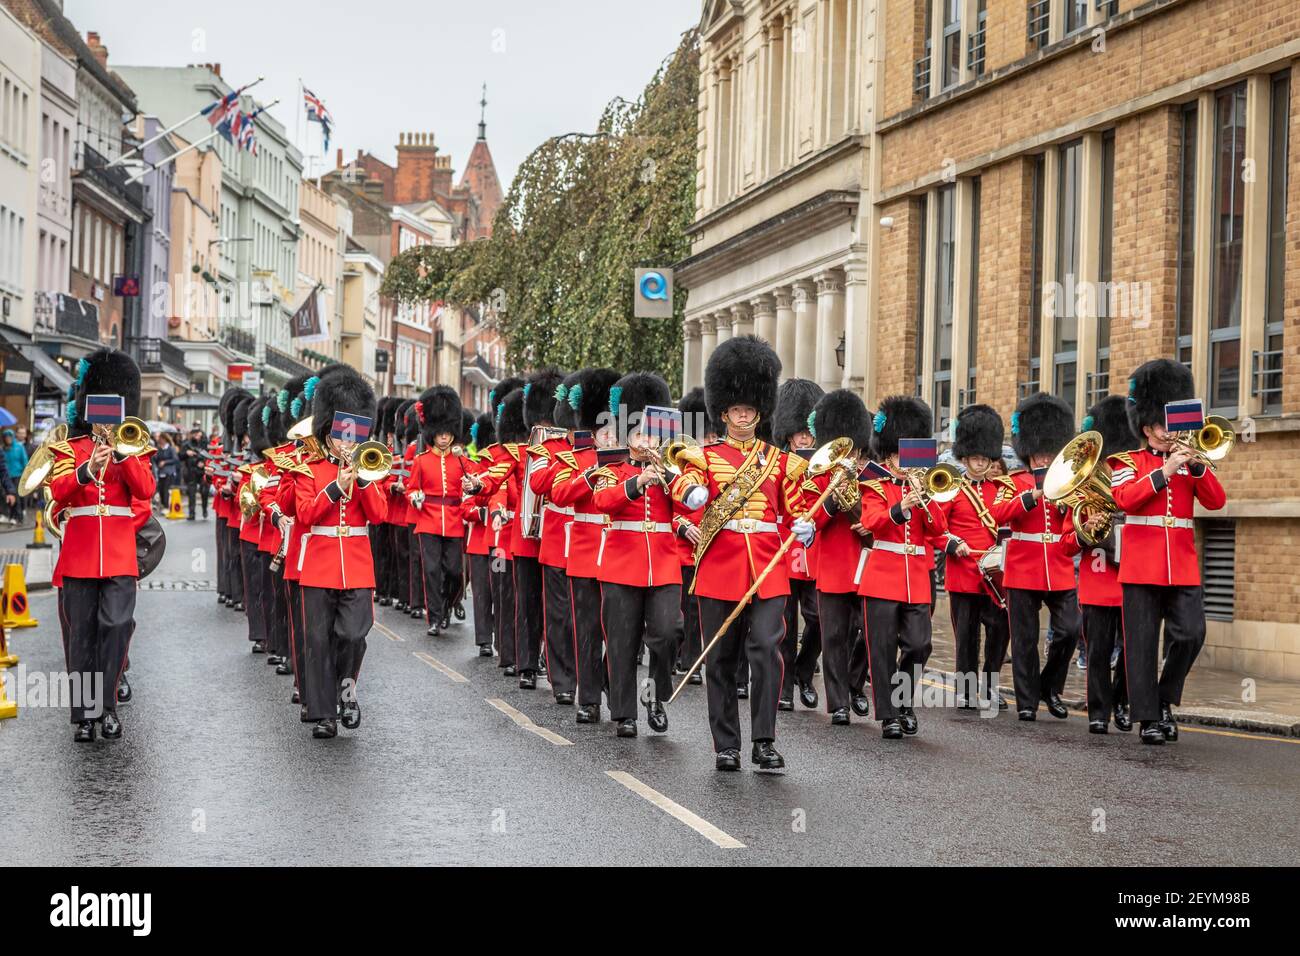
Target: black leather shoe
[891, 728]
[325, 729]
[785, 703]
[627, 728]
[657, 717]
[123, 690]
[1168, 726]
[808, 695]
[432, 630]
[284, 668]
[459, 611]
[112, 727]
[221, 599]
[302, 714]
[295, 697]
[85, 732]
[907, 717]
[860, 704]
[564, 698]
[1026, 714]
[840, 718]
[1056, 707]
[259, 647]
[742, 691]
[1123, 720]
[485, 650]
[416, 612]
[350, 715]
[227, 601]
[765, 756]
[385, 602]
[588, 714]
[237, 606]
[510, 670]
[1151, 732]
[446, 621]
[696, 678]
[1098, 726]
[727, 760]
[399, 606]
[527, 681]
[274, 660]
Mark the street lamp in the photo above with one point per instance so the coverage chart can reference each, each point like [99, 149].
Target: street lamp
[839, 351]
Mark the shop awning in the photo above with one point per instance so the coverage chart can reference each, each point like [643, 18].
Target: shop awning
[194, 401]
[50, 370]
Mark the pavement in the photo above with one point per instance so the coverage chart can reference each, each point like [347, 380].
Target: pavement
[454, 764]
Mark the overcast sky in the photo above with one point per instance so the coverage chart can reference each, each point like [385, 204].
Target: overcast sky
[389, 66]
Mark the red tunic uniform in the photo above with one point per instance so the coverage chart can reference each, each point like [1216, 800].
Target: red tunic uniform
[555, 517]
[961, 575]
[571, 487]
[437, 474]
[1040, 556]
[639, 546]
[506, 469]
[335, 547]
[1158, 541]
[902, 553]
[840, 552]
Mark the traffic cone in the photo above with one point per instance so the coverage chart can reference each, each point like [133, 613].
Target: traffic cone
[174, 512]
[38, 531]
[17, 613]
[8, 708]
[7, 657]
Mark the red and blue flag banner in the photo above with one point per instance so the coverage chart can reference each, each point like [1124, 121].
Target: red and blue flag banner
[874, 471]
[350, 427]
[583, 439]
[661, 423]
[610, 456]
[1184, 416]
[917, 452]
[105, 409]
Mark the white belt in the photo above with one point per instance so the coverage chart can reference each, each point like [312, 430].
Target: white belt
[334, 531]
[1159, 521]
[750, 526]
[896, 547]
[558, 510]
[589, 519]
[862, 560]
[101, 511]
[1036, 537]
[646, 526]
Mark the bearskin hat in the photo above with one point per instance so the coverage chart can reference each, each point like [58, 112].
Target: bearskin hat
[484, 431]
[1110, 417]
[284, 398]
[629, 396]
[381, 417]
[1042, 424]
[273, 419]
[978, 431]
[840, 414]
[226, 411]
[501, 389]
[439, 412]
[695, 417]
[257, 437]
[565, 416]
[239, 417]
[410, 420]
[510, 419]
[466, 424]
[742, 371]
[103, 372]
[589, 397]
[900, 416]
[795, 401]
[1151, 386]
[539, 397]
[341, 391]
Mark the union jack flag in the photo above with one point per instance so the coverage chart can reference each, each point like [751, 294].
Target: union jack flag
[218, 111]
[317, 113]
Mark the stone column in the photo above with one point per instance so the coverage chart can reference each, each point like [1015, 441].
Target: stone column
[857, 329]
[805, 329]
[722, 319]
[708, 342]
[691, 367]
[784, 339]
[764, 310]
[830, 325]
[742, 321]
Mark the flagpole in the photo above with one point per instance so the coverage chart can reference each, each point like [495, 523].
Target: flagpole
[297, 119]
[171, 129]
[171, 159]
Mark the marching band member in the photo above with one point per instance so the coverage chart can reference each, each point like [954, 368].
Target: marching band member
[895, 583]
[464, 437]
[794, 403]
[1157, 488]
[256, 563]
[1101, 598]
[478, 542]
[381, 535]
[227, 497]
[335, 505]
[214, 472]
[974, 599]
[97, 567]
[697, 424]
[279, 651]
[748, 489]
[1039, 562]
[637, 564]
[841, 551]
[503, 499]
[434, 491]
[413, 572]
[571, 487]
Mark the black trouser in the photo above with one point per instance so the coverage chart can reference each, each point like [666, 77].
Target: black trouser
[415, 569]
[165, 484]
[757, 632]
[234, 564]
[560, 651]
[254, 563]
[1022, 609]
[837, 614]
[1103, 630]
[223, 582]
[528, 612]
[98, 618]
[630, 616]
[338, 620]
[589, 636]
[196, 489]
[898, 645]
[800, 666]
[480, 576]
[401, 586]
[297, 636]
[277, 611]
[1182, 609]
[440, 560]
[968, 612]
[380, 550]
[859, 664]
[691, 647]
[503, 596]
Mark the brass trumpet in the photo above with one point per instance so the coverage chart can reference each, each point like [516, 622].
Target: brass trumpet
[674, 456]
[371, 459]
[1079, 478]
[1211, 442]
[127, 438]
[940, 483]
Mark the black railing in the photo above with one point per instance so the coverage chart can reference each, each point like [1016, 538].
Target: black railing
[157, 355]
[239, 340]
[1039, 18]
[975, 50]
[76, 317]
[483, 365]
[921, 77]
[112, 180]
[1266, 367]
[1096, 386]
[285, 362]
[1108, 8]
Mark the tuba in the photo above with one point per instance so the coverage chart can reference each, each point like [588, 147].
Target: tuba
[1211, 442]
[1078, 478]
[40, 464]
[249, 492]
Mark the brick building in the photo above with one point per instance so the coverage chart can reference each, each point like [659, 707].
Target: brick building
[1067, 188]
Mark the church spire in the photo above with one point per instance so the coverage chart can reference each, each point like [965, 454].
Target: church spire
[482, 116]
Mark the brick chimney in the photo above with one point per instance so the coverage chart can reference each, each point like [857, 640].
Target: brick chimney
[97, 49]
[421, 173]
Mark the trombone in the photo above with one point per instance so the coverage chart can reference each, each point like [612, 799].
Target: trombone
[372, 460]
[1211, 442]
[940, 483]
[129, 437]
[1079, 479]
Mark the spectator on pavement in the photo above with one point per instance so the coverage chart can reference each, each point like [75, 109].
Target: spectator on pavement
[15, 456]
[192, 459]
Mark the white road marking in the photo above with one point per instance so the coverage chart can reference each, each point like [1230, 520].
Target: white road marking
[675, 810]
[388, 633]
[441, 667]
[523, 720]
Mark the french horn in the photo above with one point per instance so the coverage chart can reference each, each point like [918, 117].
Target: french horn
[1078, 478]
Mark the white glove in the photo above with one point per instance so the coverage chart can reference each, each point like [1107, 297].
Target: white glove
[697, 497]
[803, 531]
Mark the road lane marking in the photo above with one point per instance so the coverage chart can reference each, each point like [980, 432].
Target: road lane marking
[388, 633]
[523, 720]
[675, 810]
[441, 667]
[1275, 738]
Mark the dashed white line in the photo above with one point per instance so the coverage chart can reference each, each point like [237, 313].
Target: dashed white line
[440, 667]
[675, 810]
[523, 720]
